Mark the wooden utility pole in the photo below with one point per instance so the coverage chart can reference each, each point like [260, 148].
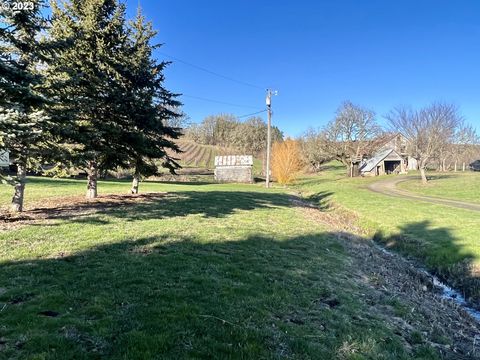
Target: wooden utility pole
[269, 135]
[269, 138]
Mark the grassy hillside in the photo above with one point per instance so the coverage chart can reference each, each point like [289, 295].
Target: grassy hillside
[199, 156]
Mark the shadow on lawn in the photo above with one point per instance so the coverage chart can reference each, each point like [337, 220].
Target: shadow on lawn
[437, 247]
[211, 204]
[439, 176]
[215, 204]
[158, 298]
[321, 200]
[154, 298]
[441, 252]
[40, 180]
[255, 298]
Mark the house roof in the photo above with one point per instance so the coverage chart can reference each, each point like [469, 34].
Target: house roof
[370, 164]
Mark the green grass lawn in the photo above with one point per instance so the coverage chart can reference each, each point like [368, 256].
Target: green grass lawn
[443, 238]
[463, 186]
[205, 271]
[40, 188]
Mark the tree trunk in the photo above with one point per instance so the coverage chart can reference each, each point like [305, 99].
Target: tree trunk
[463, 167]
[423, 175]
[92, 180]
[355, 169]
[264, 173]
[19, 188]
[135, 183]
[349, 170]
[455, 169]
[444, 165]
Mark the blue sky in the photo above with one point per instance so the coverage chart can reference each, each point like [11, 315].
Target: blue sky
[318, 53]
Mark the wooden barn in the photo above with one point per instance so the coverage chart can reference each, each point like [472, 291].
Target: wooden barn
[399, 143]
[386, 161]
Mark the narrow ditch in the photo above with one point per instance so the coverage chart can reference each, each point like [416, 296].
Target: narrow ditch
[447, 292]
[341, 222]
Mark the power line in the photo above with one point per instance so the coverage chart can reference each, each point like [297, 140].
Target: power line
[219, 102]
[255, 113]
[213, 72]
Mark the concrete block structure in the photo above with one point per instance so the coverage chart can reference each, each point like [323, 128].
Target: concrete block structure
[234, 168]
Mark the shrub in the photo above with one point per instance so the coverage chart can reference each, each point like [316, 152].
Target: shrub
[286, 161]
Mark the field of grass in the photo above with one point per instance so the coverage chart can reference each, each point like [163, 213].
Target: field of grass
[443, 238]
[40, 188]
[459, 186]
[203, 271]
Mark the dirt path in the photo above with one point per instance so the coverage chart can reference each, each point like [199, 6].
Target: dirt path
[388, 187]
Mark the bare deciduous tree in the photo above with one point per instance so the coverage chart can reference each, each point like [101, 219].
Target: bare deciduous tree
[312, 150]
[465, 147]
[228, 131]
[428, 130]
[352, 135]
[182, 121]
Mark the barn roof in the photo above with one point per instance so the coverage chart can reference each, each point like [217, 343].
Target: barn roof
[370, 164]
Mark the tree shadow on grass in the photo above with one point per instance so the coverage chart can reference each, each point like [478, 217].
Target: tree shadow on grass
[187, 183]
[213, 204]
[437, 176]
[154, 298]
[176, 297]
[321, 200]
[209, 204]
[47, 181]
[441, 252]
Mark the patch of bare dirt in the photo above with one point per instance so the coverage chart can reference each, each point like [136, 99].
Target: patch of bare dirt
[71, 207]
[399, 292]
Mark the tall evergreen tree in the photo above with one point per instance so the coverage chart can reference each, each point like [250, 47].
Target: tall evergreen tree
[93, 82]
[151, 106]
[24, 123]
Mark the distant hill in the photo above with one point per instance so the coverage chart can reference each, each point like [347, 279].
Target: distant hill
[202, 157]
[198, 155]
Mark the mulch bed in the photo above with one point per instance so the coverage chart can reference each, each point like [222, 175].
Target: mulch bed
[70, 207]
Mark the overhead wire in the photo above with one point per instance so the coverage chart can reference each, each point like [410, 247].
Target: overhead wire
[219, 102]
[213, 72]
[223, 77]
[255, 113]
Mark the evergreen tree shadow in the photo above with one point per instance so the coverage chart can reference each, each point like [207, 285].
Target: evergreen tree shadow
[158, 298]
[208, 204]
[164, 297]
